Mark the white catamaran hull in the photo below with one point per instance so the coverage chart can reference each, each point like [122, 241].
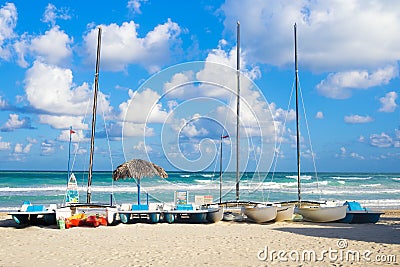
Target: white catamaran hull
[284, 213]
[261, 214]
[321, 214]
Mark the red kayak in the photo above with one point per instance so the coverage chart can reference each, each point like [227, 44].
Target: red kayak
[95, 221]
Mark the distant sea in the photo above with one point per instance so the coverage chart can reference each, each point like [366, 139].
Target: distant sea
[376, 190]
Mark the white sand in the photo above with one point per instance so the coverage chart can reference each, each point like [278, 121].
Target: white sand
[220, 244]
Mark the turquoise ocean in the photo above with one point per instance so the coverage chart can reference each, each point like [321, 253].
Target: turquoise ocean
[375, 190]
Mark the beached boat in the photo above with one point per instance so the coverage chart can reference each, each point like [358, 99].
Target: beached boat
[100, 210]
[357, 214]
[137, 169]
[284, 213]
[30, 214]
[149, 213]
[261, 214]
[258, 213]
[314, 213]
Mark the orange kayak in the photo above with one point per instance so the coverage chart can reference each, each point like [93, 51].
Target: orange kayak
[95, 221]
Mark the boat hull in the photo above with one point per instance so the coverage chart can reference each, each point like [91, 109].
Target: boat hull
[321, 214]
[261, 214]
[361, 216]
[215, 215]
[284, 213]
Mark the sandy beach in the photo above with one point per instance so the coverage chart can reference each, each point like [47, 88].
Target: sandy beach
[219, 244]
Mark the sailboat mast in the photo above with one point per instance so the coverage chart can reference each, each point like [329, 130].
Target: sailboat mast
[237, 108]
[69, 152]
[220, 171]
[297, 115]
[96, 89]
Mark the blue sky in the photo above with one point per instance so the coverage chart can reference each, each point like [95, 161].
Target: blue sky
[166, 97]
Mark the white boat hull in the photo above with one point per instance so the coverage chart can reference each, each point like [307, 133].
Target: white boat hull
[284, 213]
[321, 213]
[261, 214]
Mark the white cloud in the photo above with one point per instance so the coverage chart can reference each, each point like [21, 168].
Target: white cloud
[388, 102]
[8, 21]
[356, 156]
[339, 85]
[122, 46]
[134, 5]
[129, 129]
[78, 136]
[3, 103]
[14, 122]
[53, 47]
[51, 14]
[50, 88]
[141, 147]
[319, 115]
[381, 140]
[4, 145]
[355, 119]
[344, 154]
[47, 147]
[62, 122]
[333, 35]
[20, 149]
[143, 107]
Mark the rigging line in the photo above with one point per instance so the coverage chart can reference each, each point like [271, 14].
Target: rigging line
[78, 143]
[102, 105]
[222, 134]
[281, 137]
[309, 141]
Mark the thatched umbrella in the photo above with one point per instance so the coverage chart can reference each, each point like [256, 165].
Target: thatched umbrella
[137, 169]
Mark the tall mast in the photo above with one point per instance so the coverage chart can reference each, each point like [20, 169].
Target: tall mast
[220, 171]
[237, 108]
[96, 89]
[69, 152]
[297, 115]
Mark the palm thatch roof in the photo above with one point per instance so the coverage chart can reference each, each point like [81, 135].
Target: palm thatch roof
[138, 168]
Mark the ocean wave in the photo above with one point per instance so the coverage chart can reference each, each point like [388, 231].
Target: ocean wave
[396, 179]
[207, 175]
[342, 182]
[351, 178]
[370, 185]
[184, 175]
[302, 177]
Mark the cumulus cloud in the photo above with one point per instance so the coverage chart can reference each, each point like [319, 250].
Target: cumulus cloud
[4, 145]
[356, 119]
[142, 147]
[333, 36]
[345, 154]
[14, 122]
[77, 136]
[3, 103]
[51, 14]
[47, 147]
[51, 90]
[341, 84]
[145, 108]
[121, 45]
[20, 149]
[53, 47]
[388, 102]
[8, 22]
[381, 140]
[134, 6]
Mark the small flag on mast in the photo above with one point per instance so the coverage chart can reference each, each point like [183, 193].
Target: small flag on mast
[71, 131]
[225, 136]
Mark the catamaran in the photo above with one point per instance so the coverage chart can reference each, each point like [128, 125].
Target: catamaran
[72, 208]
[311, 211]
